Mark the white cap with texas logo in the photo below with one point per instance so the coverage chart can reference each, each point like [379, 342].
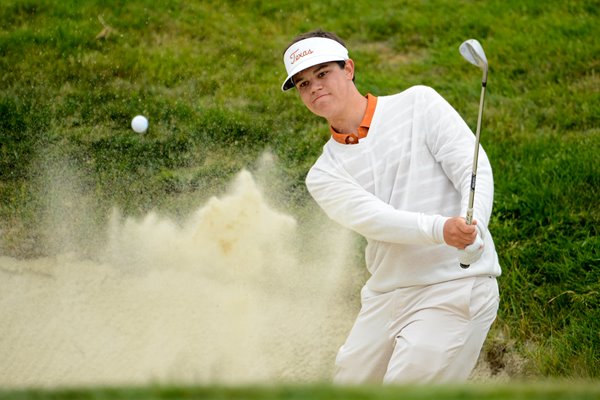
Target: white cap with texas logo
[310, 52]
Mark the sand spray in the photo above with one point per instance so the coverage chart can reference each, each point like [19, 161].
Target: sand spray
[240, 292]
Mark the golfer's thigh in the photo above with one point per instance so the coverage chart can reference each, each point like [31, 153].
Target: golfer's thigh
[426, 347]
[442, 342]
[365, 354]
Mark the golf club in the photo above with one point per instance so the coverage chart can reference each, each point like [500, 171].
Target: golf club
[472, 51]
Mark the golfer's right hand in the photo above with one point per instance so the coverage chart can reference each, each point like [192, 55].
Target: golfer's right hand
[458, 234]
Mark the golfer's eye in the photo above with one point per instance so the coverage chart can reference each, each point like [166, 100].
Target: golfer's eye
[322, 74]
[302, 84]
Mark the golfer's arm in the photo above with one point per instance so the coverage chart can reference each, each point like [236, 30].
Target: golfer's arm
[458, 166]
[351, 206]
[484, 189]
[452, 144]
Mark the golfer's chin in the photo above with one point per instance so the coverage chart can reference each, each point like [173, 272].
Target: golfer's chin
[322, 106]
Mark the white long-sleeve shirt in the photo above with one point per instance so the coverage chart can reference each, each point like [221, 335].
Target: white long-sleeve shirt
[399, 185]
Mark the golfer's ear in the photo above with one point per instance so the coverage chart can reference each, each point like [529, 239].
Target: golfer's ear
[349, 68]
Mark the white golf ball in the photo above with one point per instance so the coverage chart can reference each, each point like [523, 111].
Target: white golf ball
[139, 123]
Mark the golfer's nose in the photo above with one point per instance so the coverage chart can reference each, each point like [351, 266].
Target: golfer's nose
[316, 86]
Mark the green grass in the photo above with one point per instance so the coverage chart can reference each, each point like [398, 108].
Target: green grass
[546, 391]
[207, 74]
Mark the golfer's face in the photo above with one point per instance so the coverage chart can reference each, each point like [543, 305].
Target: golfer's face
[323, 87]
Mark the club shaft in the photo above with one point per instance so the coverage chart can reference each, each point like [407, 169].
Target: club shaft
[469, 217]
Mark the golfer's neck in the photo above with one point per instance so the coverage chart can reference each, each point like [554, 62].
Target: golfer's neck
[349, 119]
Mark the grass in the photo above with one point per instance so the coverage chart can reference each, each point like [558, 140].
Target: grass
[546, 391]
[208, 74]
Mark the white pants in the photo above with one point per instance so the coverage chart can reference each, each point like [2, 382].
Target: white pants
[419, 334]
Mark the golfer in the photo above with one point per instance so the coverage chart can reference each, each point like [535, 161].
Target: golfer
[397, 171]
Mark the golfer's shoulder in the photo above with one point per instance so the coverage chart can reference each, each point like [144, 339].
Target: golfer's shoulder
[322, 169]
[413, 93]
[315, 175]
[415, 96]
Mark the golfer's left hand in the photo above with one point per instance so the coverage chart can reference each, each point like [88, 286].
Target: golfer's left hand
[472, 252]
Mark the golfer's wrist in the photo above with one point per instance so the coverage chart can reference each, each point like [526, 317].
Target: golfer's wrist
[431, 227]
[438, 229]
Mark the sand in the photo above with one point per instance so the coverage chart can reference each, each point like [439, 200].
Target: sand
[238, 293]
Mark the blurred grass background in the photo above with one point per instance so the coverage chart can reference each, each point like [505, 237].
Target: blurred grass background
[516, 391]
[207, 75]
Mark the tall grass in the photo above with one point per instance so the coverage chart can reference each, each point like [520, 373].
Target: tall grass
[207, 74]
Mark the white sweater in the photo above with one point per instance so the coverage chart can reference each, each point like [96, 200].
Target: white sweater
[399, 185]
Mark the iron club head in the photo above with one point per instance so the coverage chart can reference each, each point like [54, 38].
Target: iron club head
[472, 51]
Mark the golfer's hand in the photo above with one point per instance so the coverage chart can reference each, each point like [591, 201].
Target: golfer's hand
[458, 234]
[472, 252]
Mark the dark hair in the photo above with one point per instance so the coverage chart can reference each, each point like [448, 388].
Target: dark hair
[323, 34]
[316, 33]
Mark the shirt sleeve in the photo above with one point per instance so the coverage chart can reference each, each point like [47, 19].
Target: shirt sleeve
[452, 144]
[350, 205]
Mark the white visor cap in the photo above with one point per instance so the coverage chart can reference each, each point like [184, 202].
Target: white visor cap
[309, 52]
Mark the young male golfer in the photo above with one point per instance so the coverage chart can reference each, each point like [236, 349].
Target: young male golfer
[397, 170]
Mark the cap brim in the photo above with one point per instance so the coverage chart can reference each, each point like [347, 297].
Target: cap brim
[311, 62]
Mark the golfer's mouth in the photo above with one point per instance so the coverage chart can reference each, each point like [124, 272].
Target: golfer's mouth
[319, 97]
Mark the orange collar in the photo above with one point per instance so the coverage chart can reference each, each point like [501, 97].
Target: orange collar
[363, 129]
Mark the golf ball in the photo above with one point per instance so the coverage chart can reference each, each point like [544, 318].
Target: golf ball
[139, 123]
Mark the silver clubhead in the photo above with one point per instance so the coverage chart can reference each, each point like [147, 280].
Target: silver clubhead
[472, 51]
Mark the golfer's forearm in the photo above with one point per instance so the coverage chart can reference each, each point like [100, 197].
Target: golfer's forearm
[400, 227]
[367, 215]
